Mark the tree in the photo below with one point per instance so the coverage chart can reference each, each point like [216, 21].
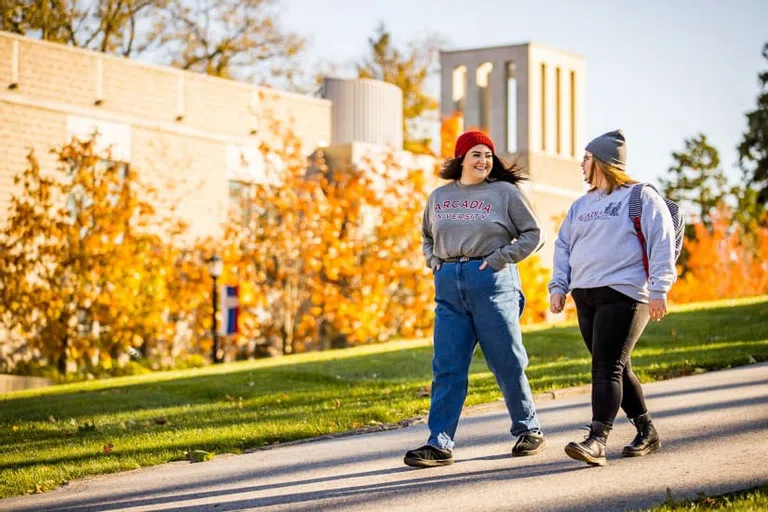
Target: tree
[753, 149]
[450, 129]
[84, 268]
[111, 26]
[534, 278]
[408, 70]
[239, 39]
[749, 213]
[330, 256]
[696, 181]
[721, 265]
[697, 184]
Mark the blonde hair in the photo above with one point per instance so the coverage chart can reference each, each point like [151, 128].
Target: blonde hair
[614, 177]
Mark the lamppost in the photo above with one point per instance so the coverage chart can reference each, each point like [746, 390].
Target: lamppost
[215, 266]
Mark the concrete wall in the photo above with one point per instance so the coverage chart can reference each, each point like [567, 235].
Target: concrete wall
[550, 204]
[10, 383]
[545, 66]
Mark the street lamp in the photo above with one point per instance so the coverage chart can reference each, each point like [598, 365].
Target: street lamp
[215, 266]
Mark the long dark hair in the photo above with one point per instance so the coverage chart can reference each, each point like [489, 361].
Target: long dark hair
[500, 171]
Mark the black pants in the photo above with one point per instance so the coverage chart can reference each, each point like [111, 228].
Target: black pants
[611, 323]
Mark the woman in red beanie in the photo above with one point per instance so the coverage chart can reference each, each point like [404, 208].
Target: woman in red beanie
[475, 230]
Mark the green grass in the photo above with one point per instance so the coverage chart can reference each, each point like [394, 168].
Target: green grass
[53, 435]
[750, 500]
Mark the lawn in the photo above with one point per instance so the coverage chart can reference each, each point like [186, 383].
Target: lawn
[53, 435]
[750, 500]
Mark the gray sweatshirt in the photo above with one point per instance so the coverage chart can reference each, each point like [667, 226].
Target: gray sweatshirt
[597, 246]
[492, 219]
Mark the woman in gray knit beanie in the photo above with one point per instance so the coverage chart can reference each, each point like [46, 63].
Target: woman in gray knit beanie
[599, 260]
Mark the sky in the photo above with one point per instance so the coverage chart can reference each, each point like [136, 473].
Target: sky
[663, 71]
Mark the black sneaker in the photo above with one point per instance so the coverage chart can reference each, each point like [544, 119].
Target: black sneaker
[428, 456]
[529, 443]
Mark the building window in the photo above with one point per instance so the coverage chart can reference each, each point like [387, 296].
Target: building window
[543, 107]
[558, 113]
[482, 79]
[511, 107]
[573, 114]
[459, 89]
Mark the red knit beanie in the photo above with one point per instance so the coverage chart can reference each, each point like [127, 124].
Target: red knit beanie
[468, 140]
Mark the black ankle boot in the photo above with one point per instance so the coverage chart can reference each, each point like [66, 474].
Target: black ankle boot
[646, 440]
[592, 449]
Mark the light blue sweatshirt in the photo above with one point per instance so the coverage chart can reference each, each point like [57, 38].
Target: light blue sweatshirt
[597, 246]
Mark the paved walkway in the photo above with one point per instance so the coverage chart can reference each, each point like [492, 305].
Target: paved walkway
[714, 427]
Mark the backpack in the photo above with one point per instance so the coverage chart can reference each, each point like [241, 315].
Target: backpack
[636, 212]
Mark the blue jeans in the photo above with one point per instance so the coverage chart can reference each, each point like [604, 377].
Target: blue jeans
[474, 306]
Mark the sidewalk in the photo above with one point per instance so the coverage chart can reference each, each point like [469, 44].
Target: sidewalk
[714, 427]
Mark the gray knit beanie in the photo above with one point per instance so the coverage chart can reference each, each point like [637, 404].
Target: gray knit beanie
[610, 147]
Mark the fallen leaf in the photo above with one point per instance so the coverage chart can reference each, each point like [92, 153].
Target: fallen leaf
[160, 421]
[51, 419]
[423, 392]
[108, 448]
[336, 403]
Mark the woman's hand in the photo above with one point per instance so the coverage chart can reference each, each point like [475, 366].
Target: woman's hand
[657, 308]
[556, 302]
[483, 265]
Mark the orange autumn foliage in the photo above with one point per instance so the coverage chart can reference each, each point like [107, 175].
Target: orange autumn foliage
[722, 264]
[88, 267]
[326, 257]
[534, 278]
[450, 129]
[330, 256]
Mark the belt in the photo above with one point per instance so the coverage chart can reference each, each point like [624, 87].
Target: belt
[462, 259]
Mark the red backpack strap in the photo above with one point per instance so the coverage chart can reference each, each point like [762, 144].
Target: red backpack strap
[636, 213]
